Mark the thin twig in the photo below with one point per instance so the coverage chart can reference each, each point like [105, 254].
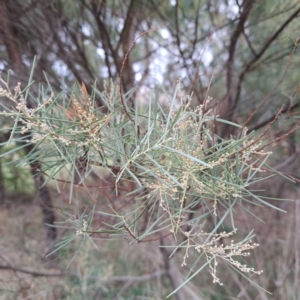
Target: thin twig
[275, 87]
[282, 137]
[31, 272]
[110, 279]
[264, 133]
[122, 68]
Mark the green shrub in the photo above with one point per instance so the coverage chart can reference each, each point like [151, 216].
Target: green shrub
[178, 179]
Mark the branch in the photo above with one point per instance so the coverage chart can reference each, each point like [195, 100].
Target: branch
[105, 38]
[268, 120]
[121, 71]
[265, 131]
[288, 162]
[81, 53]
[111, 279]
[31, 272]
[247, 5]
[275, 87]
[8, 38]
[282, 137]
[249, 43]
[172, 272]
[125, 33]
[258, 56]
